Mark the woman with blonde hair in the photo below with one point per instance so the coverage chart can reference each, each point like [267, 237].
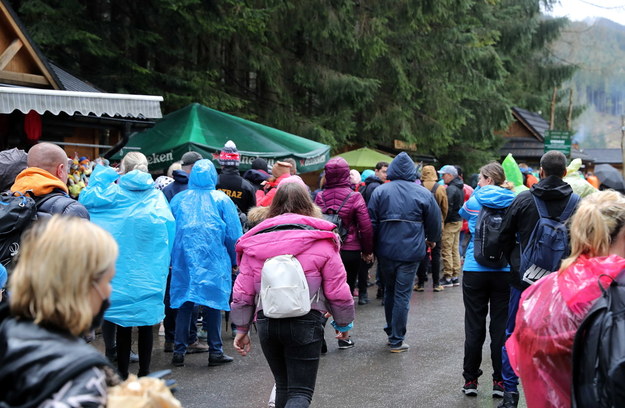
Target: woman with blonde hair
[551, 310]
[59, 290]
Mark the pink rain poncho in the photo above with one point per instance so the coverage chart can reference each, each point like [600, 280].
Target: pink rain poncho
[550, 311]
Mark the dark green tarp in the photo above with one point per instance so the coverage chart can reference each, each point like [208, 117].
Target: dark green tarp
[204, 130]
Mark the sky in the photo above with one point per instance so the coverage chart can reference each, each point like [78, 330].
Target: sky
[581, 9]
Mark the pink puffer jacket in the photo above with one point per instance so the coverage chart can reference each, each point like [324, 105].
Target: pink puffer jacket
[316, 250]
[354, 213]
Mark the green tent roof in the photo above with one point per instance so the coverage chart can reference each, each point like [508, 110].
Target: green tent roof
[364, 158]
[204, 130]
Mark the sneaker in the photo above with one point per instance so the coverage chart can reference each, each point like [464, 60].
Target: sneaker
[418, 288]
[219, 359]
[446, 283]
[177, 360]
[345, 344]
[455, 282]
[470, 388]
[498, 389]
[202, 334]
[510, 400]
[363, 299]
[438, 288]
[169, 347]
[197, 347]
[400, 348]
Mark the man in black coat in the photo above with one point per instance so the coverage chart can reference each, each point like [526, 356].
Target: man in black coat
[240, 191]
[372, 182]
[450, 244]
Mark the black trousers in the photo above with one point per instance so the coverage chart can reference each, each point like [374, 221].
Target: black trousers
[434, 264]
[355, 268]
[124, 339]
[479, 290]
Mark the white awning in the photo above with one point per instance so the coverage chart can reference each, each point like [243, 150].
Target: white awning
[84, 103]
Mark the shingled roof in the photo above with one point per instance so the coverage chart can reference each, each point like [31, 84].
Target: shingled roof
[535, 123]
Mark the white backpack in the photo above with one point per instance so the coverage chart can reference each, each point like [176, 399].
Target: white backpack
[284, 288]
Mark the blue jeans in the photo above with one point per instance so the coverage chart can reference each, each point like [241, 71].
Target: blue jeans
[292, 347]
[212, 326]
[398, 278]
[510, 379]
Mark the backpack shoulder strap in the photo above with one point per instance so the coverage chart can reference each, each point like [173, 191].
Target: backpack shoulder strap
[541, 207]
[570, 207]
[434, 188]
[344, 201]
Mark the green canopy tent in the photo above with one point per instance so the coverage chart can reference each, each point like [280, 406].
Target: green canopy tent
[364, 158]
[204, 130]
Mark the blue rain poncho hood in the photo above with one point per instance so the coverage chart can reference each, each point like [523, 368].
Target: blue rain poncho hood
[207, 228]
[139, 218]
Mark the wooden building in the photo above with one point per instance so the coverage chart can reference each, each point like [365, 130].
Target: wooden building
[40, 101]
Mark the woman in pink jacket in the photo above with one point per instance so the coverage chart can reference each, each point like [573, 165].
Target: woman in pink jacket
[292, 345]
[551, 310]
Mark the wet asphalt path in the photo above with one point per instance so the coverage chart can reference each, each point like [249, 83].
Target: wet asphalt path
[368, 375]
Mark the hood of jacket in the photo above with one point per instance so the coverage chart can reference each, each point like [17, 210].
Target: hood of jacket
[494, 196]
[203, 175]
[552, 188]
[428, 173]
[180, 176]
[373, 179]
[39, 181]
[136, 180]
[337, 173]
[457, 182]
[402, 168]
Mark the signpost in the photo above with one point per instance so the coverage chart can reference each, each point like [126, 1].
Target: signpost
[559, 140]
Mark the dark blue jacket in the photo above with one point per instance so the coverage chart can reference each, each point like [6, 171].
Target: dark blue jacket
[181, 183]
[404, 214]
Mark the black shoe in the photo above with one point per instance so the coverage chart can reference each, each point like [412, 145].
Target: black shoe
[363, 299]
[380, 294]
[498, 389]
[177, 360]
[345, 344]
[324, 346]
[470, 388]
[219, 359]
[510, 400]
[169, 347]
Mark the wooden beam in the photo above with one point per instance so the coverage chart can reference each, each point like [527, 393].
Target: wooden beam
[18, 78]
[10, 52]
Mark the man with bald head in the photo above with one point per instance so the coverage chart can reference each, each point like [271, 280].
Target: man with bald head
[45, 179]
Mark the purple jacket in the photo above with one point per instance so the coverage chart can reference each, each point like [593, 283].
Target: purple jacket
[354, 213]
[316, 250]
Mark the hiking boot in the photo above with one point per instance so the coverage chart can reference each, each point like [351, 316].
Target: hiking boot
[455, 282]
[219, 359]
[470, 388]
[168, 347]
[345, 344]
[418, 288]
[446, 283]
[498, 389]
[197, 347]
[510, 400]
[177, 360]
[438, 288]
[400, 348]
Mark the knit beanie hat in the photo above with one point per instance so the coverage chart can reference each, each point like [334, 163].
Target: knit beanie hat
[259, 164]
[229, 155]
[281, 168]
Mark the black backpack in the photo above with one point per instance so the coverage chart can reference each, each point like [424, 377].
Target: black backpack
[332, 215]
[599, 351]
[17, 212]
[487, 249]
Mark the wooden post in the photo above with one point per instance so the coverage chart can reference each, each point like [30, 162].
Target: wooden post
[569, 115]
[552, 118]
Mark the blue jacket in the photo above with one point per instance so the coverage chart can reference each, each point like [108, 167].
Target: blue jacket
[138, 217]
[181, 183]
[207, 227]
[490, 196]
[403, 214]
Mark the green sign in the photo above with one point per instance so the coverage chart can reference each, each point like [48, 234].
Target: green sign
[559, 140]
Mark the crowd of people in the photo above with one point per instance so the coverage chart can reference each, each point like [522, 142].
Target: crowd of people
[193, 244]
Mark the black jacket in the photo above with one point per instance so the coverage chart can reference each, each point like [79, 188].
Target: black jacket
[371, 183]
[455, 199]
[35, 363]
[522, 216]
[240, 191]
[58, 202]
[181, 183]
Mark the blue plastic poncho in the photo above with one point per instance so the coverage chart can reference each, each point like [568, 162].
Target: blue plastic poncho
[139, 218]
[207, 228]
